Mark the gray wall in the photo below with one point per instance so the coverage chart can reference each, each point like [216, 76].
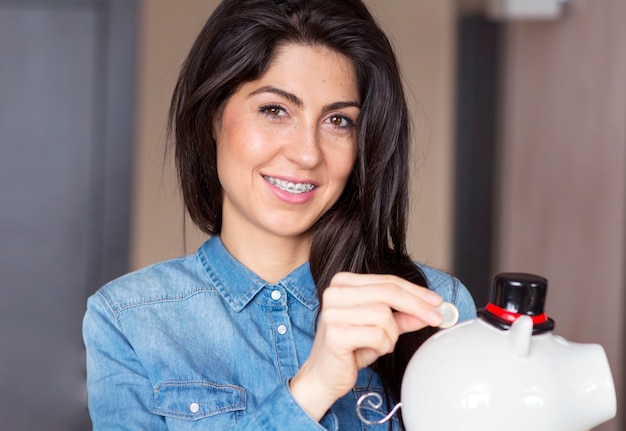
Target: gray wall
[66, 105]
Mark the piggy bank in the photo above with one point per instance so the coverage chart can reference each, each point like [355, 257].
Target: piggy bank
[507, 370]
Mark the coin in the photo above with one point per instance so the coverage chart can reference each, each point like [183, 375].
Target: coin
[449, 315]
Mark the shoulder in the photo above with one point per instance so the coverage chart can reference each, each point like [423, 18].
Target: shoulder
[165, 281]
[451, 290]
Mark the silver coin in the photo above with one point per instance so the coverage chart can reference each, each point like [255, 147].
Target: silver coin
[449, 315]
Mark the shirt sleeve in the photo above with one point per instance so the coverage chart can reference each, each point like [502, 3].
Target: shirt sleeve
[120, 394]
[464, 303]
[280, 411]
[451, 290]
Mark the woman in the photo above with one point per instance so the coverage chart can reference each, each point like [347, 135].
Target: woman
[291, 135]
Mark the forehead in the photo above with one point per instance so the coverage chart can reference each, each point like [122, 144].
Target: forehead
[291, 50]
[310, 66]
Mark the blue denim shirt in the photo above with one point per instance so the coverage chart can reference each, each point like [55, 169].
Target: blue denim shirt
[202, 343]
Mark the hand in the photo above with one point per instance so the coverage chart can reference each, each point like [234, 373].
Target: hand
[361, 319]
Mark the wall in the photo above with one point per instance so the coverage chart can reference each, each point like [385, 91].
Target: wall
[66, 101]
[423, 32]
[167, 30]
[424, 35]
[562, 189]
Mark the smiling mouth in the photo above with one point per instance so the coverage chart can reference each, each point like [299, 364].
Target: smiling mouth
[288, 186]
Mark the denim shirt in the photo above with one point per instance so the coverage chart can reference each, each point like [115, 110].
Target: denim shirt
[202, 343]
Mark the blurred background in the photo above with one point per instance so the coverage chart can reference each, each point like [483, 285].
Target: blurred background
[520, 156]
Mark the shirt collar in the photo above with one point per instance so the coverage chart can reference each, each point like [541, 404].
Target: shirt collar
[238, 285]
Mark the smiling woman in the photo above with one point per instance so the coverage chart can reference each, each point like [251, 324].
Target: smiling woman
[286, 145]
[291, 136]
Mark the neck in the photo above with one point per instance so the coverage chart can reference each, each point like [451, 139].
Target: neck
[269, 258]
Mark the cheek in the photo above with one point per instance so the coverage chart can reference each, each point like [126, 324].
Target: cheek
[344, 164]
[233, 150]
[230, 160]
[243, 142]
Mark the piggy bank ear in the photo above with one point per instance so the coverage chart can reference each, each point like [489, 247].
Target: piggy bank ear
[519, 336]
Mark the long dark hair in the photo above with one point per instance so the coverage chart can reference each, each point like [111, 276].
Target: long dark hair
[365, 231]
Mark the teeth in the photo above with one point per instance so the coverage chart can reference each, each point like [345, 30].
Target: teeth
[288, 186]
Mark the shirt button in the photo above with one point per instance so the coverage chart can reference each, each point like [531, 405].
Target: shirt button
[276, 295]
[282, 329]
[194, 407]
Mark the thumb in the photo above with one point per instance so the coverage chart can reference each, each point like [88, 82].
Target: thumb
[410, 323]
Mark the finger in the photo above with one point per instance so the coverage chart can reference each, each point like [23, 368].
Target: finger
[354, 279]
[390, 295]
[366, 356]
[409, 323]
[347, 340]
[370, 316]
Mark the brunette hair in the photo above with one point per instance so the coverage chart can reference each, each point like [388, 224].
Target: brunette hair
[365, 231]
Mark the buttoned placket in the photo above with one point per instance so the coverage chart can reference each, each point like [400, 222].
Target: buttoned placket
[282, 331]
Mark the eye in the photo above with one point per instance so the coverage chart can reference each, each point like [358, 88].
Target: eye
[272, 110]
[340, 121]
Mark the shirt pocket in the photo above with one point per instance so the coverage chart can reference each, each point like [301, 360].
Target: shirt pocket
[193, 400]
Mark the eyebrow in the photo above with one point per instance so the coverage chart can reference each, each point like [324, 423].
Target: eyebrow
[298, 102]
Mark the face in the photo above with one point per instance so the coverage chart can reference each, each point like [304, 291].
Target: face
[286, 144]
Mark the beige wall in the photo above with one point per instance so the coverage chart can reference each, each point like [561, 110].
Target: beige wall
[167, 30]
[424, 35]
[423, 32]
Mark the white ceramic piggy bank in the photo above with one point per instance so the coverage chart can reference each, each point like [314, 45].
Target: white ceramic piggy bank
[506, 370]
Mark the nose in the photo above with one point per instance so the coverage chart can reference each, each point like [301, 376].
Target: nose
[303, 147]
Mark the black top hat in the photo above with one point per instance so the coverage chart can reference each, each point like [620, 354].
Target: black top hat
[514, 295]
